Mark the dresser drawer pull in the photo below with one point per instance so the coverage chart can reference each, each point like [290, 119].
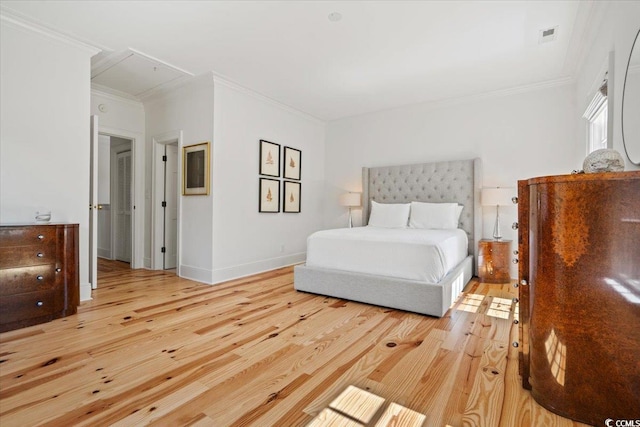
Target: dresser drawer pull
[515, 285]
[39, 277]
[515, 225]
[39, 254]
[516, 300]
[40, 236]
[515, 344]
[514, 200]
[58, 270]
[516, 321]
[516, 252]
[523, 282]
[515, 260]
[39, 303]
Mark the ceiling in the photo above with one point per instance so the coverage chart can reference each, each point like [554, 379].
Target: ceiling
[380, 55]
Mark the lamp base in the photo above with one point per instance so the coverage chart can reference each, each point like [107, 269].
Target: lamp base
[496, 226]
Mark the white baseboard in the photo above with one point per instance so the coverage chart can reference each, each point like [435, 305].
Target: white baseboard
[229, 273]
[85, 292]
[147, 263]
[104, 253]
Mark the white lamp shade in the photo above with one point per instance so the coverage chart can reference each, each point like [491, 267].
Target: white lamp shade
[497, 196]
[350, 199]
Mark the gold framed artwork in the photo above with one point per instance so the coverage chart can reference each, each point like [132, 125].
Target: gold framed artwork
[291, 193]
[269, 158]
[195, 169]
[292, 159]
[269, 195]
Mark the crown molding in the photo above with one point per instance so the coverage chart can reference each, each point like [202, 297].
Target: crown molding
[115, 95]
[21, 21]
[217, 79]
[224, 81]
[466, 99]
[589, 19]
[166, 90]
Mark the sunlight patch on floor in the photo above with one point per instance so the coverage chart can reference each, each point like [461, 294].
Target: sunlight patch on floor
[500, 308]
[471, 303]
[356, 408]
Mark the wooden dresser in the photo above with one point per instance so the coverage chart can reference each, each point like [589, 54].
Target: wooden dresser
[39, 278]
[579, 276]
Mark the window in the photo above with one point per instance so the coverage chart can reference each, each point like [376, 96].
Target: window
[597, 117]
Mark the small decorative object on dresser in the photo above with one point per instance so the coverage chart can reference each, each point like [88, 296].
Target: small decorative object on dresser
[493, 261]
[603, 160]
[579, 246]
[39, 278]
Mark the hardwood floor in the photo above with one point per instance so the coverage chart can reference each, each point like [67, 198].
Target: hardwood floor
[155, 349]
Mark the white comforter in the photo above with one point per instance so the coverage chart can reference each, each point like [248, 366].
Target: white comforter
[414, 254]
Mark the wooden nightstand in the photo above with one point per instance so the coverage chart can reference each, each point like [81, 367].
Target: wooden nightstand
[493, 261]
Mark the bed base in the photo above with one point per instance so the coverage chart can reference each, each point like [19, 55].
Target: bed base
[401, 294]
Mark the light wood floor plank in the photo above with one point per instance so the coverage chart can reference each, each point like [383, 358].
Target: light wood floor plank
[154, 349]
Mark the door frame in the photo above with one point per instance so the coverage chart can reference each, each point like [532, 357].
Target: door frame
[157, 195]
[137, 193]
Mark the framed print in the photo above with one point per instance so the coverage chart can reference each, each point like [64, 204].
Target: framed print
[195, 169]
[269, 195]
[269, 158]
[291, 196]
[291, 160]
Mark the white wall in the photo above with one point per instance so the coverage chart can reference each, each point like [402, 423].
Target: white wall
[44, 137]
[188, 109]
[517, 136]
[244, 240]
[614, 31]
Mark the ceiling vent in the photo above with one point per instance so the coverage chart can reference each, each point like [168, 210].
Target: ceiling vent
[548, 35]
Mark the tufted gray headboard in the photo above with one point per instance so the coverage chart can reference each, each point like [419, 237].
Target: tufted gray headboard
[456, 181]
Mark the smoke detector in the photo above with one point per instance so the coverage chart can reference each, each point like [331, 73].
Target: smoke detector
[335, 16]
[548, 35]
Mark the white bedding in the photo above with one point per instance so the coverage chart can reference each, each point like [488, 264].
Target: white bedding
[414, 254]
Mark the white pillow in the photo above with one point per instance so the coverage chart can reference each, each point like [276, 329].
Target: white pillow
[440, 216]
[389, 215]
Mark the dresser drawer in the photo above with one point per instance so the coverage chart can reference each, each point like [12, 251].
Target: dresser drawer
[19, 256]
[31, 305]
[19, 236]
[29, 279]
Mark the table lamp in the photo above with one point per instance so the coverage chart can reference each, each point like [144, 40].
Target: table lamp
[497, 197]
[352, 200]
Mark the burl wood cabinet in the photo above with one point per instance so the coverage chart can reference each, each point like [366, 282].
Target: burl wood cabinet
[39, 278]
[579, 286]
[493, 261]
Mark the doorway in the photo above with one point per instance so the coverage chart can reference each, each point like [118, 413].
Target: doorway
[170, 207]
[115, 199]
[165, 205]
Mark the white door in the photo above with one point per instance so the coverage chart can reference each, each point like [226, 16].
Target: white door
[171, 209]
[123, 207]
[93, 204]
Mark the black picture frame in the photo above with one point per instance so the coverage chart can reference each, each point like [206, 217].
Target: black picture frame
[292, 163]
[268, 202]
[291, 196]
[269, 158]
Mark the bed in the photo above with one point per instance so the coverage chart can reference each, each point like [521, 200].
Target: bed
[403, 287]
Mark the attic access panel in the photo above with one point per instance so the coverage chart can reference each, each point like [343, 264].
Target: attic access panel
[135, 73]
